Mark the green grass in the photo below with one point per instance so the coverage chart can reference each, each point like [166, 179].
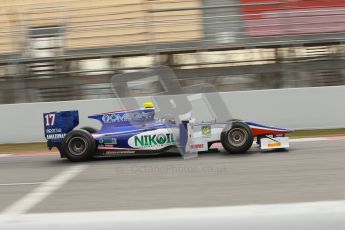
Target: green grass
[316, 133]
[20, 148]
[42, 147]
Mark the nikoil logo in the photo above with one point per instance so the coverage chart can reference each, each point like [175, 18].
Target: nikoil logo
[156, 139]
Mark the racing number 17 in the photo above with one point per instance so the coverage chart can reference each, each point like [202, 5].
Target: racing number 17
[50, 119]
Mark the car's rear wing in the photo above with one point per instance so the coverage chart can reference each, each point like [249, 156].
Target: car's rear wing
[58, 124]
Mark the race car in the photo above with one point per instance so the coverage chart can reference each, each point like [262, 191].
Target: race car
[139, 132]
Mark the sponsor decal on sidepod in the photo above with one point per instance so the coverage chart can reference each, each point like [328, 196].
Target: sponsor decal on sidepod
[206, 130]
[156, 139]
[115, 117]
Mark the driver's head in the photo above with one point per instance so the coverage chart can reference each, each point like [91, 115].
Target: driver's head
[148, 105]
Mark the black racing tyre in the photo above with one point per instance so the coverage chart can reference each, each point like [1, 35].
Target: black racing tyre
[89, 129]
[79, 145]
[238, 139]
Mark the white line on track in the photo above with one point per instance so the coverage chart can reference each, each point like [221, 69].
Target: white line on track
[24, 183]
[305, 216]
[33, 198]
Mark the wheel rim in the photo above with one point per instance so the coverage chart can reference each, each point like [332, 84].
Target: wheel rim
[237, 137]
[77, 146]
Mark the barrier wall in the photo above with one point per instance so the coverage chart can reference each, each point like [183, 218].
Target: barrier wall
[300, 108]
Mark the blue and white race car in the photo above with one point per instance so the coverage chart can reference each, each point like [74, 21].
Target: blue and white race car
[139, 132]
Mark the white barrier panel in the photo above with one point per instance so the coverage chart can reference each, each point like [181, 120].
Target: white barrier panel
[300, 108]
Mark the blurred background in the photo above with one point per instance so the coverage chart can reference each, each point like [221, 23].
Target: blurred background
[53, 50]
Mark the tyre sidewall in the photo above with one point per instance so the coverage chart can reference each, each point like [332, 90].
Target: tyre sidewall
[88, 153]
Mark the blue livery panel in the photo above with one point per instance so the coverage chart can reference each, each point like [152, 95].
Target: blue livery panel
[125, 118]
[119, 137]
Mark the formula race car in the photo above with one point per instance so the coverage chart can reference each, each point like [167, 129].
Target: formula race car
[139, 132]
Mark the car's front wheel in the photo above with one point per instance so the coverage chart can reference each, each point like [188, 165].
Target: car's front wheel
[79, 145]
[238, 139]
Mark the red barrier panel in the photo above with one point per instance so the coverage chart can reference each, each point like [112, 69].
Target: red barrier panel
[293, 17]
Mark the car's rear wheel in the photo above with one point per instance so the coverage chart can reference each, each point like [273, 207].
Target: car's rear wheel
[79, 145]
[238, 139]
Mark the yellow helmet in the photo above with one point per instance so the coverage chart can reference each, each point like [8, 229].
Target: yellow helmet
[148, 105]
